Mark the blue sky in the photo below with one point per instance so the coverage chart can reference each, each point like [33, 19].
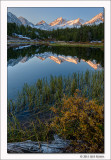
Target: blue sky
[35, 15]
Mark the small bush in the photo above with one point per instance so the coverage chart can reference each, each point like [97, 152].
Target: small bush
[81, 121]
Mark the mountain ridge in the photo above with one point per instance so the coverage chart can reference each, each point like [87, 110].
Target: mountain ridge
[58, 23]
[25, 22]
[96, 19]
[41, 22]
[54, 57]
[11, 18]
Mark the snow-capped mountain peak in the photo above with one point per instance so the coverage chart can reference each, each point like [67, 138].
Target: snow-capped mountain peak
[58, 21]
[99, 18]
[75, 22]
[41, 22]
[42, 25]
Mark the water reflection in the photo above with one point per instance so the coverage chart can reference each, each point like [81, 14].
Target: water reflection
[27, 64]
[81, 53]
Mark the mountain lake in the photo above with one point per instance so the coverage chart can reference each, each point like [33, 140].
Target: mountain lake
[26, 64]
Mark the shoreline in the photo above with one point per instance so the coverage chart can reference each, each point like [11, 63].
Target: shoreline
[62, 44]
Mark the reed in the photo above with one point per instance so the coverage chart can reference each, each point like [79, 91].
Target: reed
[47, 92]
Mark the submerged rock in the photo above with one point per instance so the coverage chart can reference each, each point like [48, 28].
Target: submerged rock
[56, 146]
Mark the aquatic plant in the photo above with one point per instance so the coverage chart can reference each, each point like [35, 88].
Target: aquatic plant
[46, 92]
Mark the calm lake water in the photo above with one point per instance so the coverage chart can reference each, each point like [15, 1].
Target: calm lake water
[26, 64]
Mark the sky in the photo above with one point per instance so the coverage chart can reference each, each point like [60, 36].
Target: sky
[36, 14]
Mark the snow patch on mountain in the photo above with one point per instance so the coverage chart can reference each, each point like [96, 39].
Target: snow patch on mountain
[41, 22]
[58, 21]
[62, 23]
[42, 25]
[73, 23]
[99, 18]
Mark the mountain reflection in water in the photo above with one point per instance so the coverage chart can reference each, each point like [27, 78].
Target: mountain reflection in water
[27, 64]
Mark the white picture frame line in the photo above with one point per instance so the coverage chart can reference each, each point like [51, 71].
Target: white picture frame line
[4, 5]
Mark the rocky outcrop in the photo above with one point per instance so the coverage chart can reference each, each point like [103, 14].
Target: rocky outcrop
[56, 146]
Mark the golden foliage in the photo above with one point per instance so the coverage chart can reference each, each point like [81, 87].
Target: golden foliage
[78, 119]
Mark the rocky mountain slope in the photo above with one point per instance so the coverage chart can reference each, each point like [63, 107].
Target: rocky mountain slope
[99, 18]
[42, 25]
[58, 23]
[11, 18]
[25, 22]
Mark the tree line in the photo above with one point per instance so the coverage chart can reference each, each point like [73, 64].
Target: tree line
[82, 34]
[22, 30]
[81, 53]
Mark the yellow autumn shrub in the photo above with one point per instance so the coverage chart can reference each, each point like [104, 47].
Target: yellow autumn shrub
[80, 121]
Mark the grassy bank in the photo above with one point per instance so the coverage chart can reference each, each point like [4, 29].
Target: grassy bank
[71, 107]
[86, 44]
[65, 44]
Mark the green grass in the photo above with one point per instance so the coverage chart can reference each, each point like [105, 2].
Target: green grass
[66, 44]
[35, 130]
